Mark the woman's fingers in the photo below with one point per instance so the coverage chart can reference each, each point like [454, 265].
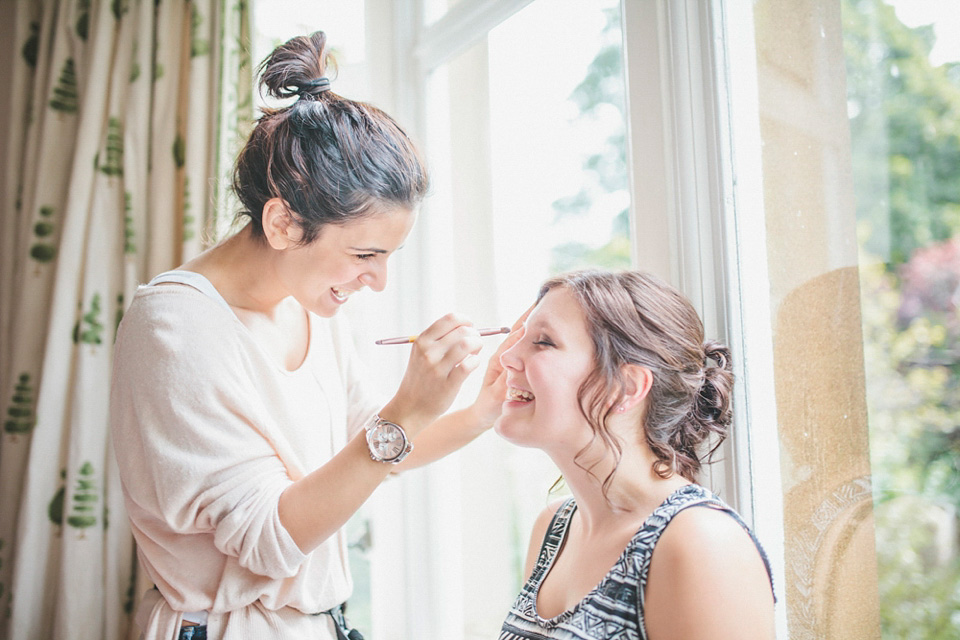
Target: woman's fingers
[457, 345]
[465, 367]
[442, 327]
[494, 368]
[441, 358]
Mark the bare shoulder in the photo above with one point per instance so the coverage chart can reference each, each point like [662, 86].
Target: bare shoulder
[712, 529]
[708, 580]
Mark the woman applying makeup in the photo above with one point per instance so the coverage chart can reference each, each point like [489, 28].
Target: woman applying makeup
[611, 377]
[243, 432]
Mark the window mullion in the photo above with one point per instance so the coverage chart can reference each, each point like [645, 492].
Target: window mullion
[460, 28]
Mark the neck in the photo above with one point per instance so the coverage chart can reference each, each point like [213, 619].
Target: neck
[242, 269]
[634, 491]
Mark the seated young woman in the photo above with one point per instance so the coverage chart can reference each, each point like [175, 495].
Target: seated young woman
[611, 377]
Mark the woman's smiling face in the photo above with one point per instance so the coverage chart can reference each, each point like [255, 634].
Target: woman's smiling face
[343, 259]
[545, 370]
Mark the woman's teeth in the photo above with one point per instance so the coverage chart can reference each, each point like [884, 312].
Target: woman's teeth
[519, 395]
[341, 294]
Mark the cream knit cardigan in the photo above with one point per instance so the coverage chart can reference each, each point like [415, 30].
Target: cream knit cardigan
[208, 430]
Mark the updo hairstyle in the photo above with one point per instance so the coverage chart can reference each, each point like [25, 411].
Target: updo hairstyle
[331, 160]
[636, 318]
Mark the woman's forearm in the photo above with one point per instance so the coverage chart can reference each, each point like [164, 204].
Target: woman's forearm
[443, 436]
[313, 508]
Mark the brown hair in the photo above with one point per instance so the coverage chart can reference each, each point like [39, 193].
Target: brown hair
[636, 318]
[330, 159]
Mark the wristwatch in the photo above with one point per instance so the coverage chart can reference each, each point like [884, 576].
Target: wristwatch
[387, 441]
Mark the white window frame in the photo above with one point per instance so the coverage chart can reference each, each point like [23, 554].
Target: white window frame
[697, 220]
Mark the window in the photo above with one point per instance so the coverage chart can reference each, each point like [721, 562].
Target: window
[856, 245]
[810, 214]
[523, 126]
[903, 99]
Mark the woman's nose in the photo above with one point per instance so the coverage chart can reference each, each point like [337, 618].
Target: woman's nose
[374, 278]
[510, 359]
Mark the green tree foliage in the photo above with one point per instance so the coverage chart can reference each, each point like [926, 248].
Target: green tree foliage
[20, 412]
[44, 249]
[131, 593]
[65, 98]
[189, 219]
[119, 8]
[179, 151]
[32, 46]
[83, 508]
[129, 234]
[605, 170]
[199, 46]
[118, 316]
[905, 128]
[113, 165]
[134, 62]
[55, 508]
[83, 19]
[905, 125]
[89, 329]
[914, 416]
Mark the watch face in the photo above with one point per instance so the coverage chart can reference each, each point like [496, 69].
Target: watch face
[387, 441]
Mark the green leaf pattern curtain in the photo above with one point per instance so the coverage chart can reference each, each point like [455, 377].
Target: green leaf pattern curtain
[126, 118]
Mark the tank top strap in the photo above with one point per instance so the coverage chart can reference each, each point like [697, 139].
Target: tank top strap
[553, 539]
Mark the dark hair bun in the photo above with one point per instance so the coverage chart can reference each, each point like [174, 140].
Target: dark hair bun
[295, 67]
[330, 159]
[713, 410]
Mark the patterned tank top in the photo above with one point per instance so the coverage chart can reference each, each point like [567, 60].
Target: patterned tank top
[614, 608]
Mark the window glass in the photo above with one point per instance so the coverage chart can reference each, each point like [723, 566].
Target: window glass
[525, 140]
[862, 211]
[560, 193]
[903, 89]
[277, 21]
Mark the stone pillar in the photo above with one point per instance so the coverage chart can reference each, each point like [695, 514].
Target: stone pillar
[831, 574]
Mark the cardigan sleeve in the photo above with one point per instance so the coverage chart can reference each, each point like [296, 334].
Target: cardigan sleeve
[190, 431]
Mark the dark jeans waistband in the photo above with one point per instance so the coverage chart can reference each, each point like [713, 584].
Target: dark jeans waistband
[344, 632]
[194, 632]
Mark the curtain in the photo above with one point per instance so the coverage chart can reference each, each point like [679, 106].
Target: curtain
[125, 119]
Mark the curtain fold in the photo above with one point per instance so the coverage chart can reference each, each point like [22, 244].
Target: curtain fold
[125, 122]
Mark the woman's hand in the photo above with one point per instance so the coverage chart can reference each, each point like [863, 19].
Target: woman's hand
[493, 391]
[441, 358]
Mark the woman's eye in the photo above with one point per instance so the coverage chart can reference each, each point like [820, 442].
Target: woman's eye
[364, 256]
[544, 342]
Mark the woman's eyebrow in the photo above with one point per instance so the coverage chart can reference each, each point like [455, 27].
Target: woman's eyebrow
[372, 249]
[543, 324]
[368, 250]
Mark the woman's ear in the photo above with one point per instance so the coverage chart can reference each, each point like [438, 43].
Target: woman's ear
[280, 227]
[638, 381]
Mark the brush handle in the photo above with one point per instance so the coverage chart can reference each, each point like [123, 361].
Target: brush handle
[408, 339]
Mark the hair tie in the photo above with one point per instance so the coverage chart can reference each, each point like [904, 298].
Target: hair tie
[314, 87]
